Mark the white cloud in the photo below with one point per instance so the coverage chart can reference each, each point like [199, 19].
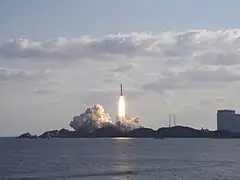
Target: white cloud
[168, 44]
[161, 73]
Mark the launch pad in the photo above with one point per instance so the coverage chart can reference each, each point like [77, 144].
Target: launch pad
[96, 117]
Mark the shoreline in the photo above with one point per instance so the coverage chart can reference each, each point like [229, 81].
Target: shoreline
[161, 133]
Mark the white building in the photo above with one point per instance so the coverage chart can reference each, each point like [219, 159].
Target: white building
[228, 120]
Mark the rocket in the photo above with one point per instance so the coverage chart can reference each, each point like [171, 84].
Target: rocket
[121, 93]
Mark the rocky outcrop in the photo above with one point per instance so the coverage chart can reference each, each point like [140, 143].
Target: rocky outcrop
[28, 136]
[50, 134]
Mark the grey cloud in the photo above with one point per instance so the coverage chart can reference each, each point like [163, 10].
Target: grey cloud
[54, 102]
[220, 99]
[174, 61]
[9, 74]
[43, 91]
[204, 76]
[124, 68]
[212, 101]
[118, 73]
[193, 78]
[219, 58]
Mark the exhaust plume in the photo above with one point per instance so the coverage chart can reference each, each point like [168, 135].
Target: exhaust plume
[121, 108]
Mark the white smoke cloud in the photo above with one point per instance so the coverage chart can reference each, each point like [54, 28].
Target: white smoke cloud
[128, 124]
[91, 119]
[96, 117]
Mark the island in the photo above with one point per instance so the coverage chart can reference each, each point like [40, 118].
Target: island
[111, 132]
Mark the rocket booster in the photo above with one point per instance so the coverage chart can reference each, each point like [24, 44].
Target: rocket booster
[121, 93]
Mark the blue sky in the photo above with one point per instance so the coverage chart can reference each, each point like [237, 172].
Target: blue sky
[47, 19]
[46, 80]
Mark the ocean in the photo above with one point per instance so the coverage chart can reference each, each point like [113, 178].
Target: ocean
[119, 159]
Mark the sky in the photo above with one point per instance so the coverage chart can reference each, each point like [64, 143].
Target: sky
[59, 57]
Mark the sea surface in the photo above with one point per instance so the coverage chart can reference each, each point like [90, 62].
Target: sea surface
[119, 159]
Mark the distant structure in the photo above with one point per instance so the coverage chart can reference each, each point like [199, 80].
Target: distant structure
[170, 120]
[174, 120]
[228, 120]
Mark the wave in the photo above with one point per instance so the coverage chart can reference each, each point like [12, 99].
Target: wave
[82, 175]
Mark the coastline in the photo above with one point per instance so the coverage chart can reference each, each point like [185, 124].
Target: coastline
[161, 133]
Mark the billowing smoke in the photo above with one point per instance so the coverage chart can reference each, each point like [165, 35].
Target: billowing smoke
[95, 118]
[128, 124]
[92, 118]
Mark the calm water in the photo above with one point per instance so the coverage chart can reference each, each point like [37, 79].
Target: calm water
[119, 159]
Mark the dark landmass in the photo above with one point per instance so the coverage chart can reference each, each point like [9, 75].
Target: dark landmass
[28, 135]
[165, 132]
